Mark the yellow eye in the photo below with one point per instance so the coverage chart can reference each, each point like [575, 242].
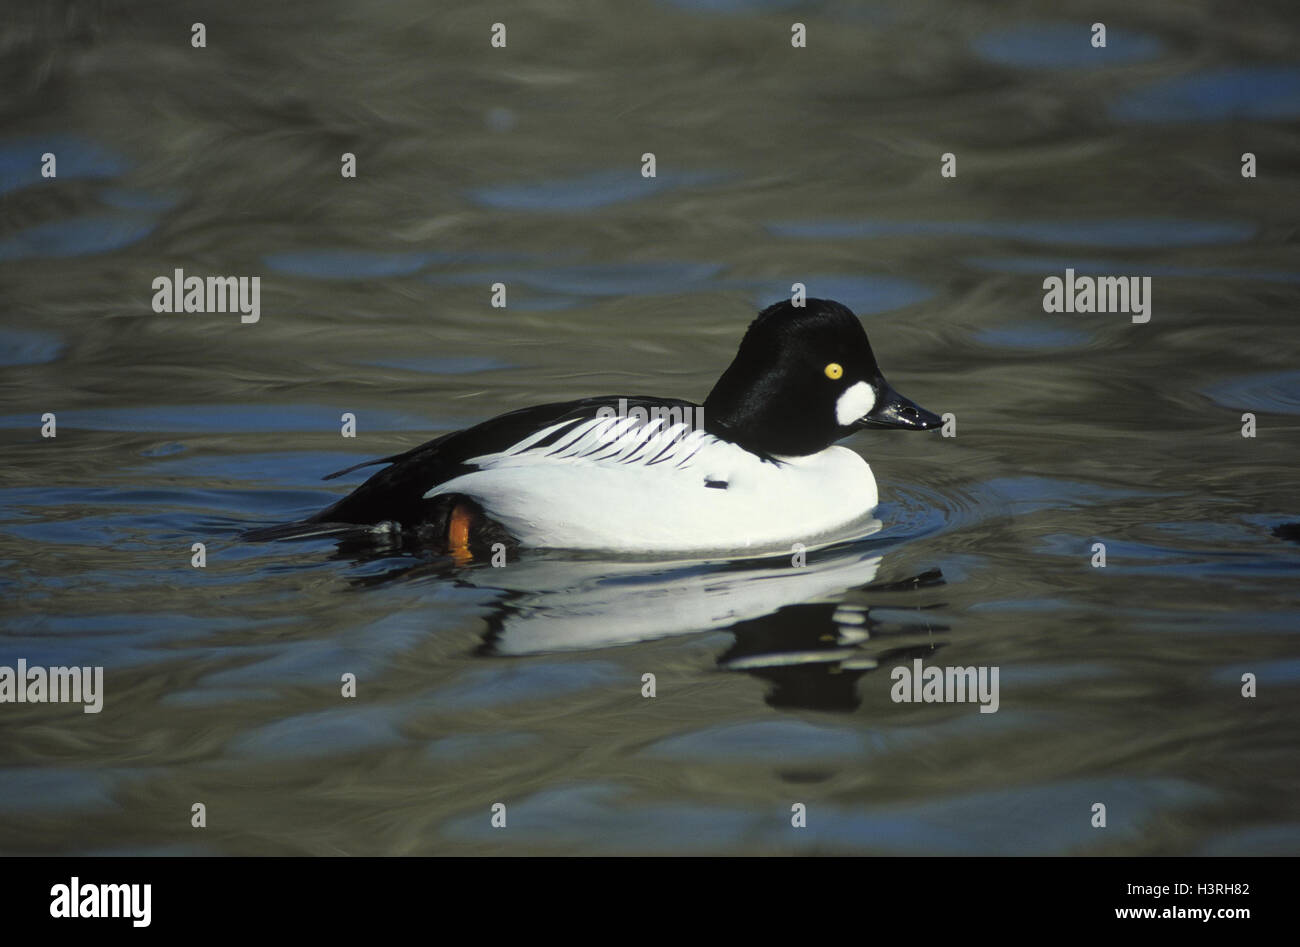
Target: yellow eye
[834, 371]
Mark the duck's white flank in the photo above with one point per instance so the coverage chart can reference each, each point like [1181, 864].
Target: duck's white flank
[613, 484]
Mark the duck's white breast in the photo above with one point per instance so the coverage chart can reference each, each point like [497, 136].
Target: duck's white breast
[608, 485]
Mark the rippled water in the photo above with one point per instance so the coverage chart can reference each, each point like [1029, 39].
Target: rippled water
[521, 165]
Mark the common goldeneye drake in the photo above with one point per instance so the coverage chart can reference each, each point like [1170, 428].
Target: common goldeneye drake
[755, 466]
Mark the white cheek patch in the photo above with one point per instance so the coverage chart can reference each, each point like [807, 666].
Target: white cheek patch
[854, 403]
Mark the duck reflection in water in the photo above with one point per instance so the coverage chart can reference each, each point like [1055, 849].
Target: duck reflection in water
[807, 630]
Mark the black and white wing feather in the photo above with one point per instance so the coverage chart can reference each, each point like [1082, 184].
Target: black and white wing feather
[570, 430]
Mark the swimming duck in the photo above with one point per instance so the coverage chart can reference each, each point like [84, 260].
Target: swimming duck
[755, 466]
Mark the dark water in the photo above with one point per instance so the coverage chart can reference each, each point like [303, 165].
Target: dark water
[521, 165]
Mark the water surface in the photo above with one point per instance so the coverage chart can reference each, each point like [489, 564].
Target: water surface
[523, 685]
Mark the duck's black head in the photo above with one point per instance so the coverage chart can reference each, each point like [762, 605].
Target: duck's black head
[804, 377]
